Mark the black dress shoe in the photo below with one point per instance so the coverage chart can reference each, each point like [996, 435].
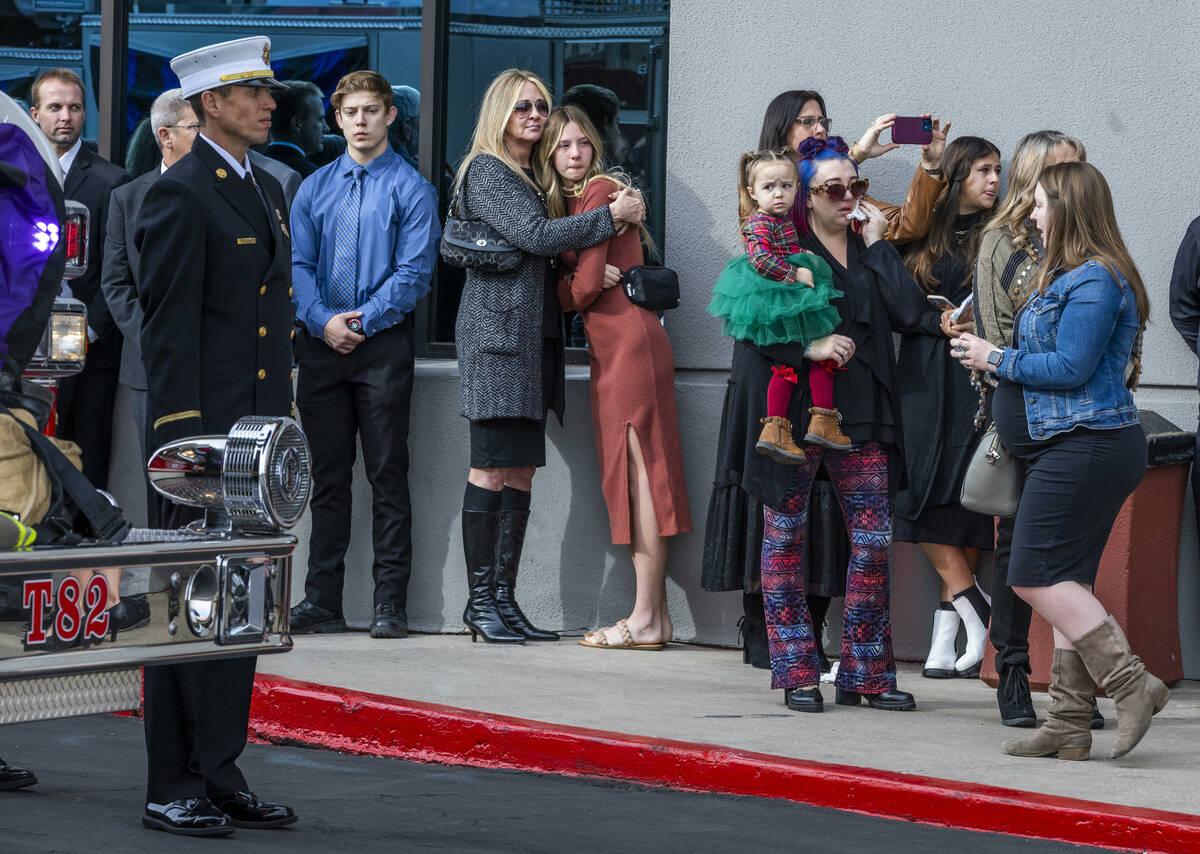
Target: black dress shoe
[244, 809]
[130, 613]
[1013, 697]
[804, 699]
[188, 817]
[888, 701]
[1097, 718]
[389, 622]
[12, 777]
[307, 617]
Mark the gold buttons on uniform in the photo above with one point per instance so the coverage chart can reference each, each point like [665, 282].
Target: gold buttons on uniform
[262, 292]
[262, 332]
[289, 291]
[262, 375]
[293, 333]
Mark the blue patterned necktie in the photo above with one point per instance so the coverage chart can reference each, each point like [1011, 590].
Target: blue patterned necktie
[343, 273]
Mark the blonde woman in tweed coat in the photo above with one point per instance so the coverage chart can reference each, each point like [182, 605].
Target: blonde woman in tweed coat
[510, 348]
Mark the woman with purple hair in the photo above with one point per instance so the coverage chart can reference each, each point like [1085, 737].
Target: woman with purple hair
[877, 294]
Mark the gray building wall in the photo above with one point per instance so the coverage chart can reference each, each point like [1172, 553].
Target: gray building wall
[1108, 73]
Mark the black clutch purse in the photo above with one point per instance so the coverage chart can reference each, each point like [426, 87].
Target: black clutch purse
[653, 288]
[472, 244]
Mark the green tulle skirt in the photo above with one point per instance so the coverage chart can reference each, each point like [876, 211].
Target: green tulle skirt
[766, 312]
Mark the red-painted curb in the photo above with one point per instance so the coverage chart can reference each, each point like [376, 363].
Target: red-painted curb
[285, 710]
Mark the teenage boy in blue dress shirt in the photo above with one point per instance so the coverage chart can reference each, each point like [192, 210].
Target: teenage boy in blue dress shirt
[364, 239]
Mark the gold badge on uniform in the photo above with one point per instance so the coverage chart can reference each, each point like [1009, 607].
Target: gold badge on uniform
[267, 54]
[221, 173]
[247, 241]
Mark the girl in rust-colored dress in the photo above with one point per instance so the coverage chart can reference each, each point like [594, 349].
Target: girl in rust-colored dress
[633, 384]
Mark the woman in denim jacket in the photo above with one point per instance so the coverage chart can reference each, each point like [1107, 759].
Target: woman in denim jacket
[1063, 407]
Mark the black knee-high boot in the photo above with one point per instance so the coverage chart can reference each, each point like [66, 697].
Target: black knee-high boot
[480, 535]
[512, 537]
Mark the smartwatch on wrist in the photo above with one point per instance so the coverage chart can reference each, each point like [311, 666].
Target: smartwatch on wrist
[995, 358]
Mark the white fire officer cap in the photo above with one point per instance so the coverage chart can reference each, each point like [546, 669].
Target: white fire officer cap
[242, 62]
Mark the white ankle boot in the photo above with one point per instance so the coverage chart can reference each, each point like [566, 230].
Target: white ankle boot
[974, 606]
[942, 654]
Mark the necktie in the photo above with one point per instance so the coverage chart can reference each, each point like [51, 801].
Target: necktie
[253, 185]
[343, 273]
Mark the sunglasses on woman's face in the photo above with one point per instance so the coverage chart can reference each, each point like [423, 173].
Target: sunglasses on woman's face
[836, 190]
[524, 108]
[810, 121]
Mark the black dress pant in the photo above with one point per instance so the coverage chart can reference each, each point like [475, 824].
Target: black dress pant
[85, 416]
[1011, 614]
[196, 717]
[1196, 480]
[365, 393]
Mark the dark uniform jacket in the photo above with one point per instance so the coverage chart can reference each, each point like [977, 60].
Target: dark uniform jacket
[215, 282]
[291, 157]
[91, 182]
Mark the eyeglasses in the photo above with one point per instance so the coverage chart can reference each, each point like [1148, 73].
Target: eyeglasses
[809, 121]
[836, 190]
[523, 108]
[192, 126]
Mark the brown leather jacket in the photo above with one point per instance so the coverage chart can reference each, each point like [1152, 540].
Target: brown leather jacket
[910, 221]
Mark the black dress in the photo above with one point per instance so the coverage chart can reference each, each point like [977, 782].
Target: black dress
[938, 406]
[878, 293]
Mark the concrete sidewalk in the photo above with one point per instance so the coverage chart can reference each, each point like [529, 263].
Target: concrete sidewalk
[706, 695]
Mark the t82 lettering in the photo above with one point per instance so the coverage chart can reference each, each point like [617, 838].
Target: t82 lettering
[78, 610]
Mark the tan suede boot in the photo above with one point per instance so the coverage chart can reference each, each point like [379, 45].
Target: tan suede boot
[776, 441]
[825, 429]
[1139, 695]
[1067, 732]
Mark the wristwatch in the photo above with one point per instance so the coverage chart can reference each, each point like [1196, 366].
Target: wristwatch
[995, 358]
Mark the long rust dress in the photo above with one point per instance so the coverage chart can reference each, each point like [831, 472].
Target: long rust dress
[633, 377]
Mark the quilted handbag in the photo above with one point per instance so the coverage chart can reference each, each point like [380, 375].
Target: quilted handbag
[472, 244]
[655, 288]
[992, 484]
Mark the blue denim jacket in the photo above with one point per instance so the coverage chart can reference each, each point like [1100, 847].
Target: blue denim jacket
[1074, 343]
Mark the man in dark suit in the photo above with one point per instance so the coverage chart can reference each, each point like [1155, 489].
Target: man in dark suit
[174, 127]
[297, 126]
[85, 401]
[216, 340]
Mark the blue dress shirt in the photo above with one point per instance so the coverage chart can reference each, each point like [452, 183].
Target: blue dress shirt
[397, 244]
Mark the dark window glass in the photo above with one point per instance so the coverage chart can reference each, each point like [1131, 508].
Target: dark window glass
[611, 54]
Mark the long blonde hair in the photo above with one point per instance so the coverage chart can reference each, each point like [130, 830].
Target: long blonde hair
[1083, 227]
[497, 106]
[548, 177]
[1028, 161]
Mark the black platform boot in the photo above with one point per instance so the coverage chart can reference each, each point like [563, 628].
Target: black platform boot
[512, 538]
[480, 533]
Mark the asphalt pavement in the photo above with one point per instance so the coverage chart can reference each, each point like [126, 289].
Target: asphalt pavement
[91, 773]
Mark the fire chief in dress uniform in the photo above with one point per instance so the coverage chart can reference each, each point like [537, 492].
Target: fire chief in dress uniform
[216, 340]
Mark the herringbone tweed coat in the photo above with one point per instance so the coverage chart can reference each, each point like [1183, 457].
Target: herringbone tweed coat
[499, 327]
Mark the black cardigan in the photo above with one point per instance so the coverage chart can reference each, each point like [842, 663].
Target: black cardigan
[879, 296]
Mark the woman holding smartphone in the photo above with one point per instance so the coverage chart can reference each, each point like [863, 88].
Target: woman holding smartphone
[938, 407]
[735, 519]
[1063, 406]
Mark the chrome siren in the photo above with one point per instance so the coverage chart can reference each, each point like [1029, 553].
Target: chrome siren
[260, 475]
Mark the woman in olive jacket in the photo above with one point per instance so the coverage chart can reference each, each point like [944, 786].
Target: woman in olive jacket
[510, 348]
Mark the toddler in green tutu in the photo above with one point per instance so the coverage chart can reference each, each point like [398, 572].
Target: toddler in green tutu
[779, 293]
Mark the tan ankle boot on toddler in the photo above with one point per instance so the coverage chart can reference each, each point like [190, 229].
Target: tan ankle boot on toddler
[776, 441]
[825, 429]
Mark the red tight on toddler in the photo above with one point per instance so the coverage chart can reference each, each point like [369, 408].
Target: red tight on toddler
[783, 382]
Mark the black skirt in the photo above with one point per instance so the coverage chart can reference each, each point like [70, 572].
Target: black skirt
[516, 442]
[1075, 484]
[947, 525]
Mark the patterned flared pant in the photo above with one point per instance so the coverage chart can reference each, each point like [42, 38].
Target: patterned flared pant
[867, 666]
